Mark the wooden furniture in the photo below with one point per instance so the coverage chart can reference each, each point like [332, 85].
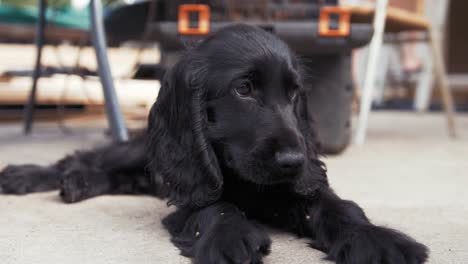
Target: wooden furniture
[388, 20]
[397, 20]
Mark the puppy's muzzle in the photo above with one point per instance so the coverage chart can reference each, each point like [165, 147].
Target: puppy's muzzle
[290, 162]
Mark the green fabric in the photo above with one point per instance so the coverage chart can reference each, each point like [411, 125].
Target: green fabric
[63, 17]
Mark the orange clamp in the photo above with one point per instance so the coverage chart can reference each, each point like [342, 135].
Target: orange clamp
[343, 29]
[203, 19]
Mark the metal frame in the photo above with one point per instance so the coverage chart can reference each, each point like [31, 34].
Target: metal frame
[369, 81]
[114, 114]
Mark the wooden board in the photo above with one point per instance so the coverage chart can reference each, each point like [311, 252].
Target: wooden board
[121, 60]
[27, 33]
[134, 95]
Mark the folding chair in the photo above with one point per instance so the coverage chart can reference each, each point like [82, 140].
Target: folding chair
[394, 20]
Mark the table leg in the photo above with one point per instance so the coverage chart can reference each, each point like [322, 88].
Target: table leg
[114, 113]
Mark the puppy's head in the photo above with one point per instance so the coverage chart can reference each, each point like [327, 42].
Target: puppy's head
[233, 103]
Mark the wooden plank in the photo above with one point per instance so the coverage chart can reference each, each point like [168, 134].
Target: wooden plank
[26, 33]
[21, 57]
[133, 95]
[17, 115]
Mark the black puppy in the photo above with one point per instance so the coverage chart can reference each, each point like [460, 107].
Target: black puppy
[229, 141]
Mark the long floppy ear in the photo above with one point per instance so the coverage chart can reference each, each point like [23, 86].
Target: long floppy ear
[315, 173]
[178, 148]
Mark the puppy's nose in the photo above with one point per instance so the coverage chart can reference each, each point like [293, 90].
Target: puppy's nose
[290, 160]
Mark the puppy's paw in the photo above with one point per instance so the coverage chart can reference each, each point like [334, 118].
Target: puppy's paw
[373, 244]
[239, 243]
[75, 185]
[24, 179]
[78, 184]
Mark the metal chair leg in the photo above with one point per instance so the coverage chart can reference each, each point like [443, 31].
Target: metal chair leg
[381, 73]
[422, 97]
[369, 82]
[40, 29]
[114, 113]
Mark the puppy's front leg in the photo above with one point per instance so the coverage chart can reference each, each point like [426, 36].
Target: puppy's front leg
[341, 229]
[217, 234]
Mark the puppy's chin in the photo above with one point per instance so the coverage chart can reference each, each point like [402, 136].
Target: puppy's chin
[263, 176]
[269, 181]
[257, 170]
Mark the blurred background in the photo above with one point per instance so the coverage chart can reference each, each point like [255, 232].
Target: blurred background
[387, 83]
[142, 41]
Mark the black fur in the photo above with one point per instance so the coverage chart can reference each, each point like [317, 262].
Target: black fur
[231, 144]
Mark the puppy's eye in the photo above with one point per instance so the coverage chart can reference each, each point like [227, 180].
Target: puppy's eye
[244, 90]
[294, 92]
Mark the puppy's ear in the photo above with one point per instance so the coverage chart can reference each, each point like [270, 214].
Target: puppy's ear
[178, 148]
[315, 173]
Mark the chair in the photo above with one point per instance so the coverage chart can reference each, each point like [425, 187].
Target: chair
[114, 114]
[391, 20]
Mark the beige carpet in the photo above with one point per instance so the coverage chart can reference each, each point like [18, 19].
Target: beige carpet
[409, 176]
